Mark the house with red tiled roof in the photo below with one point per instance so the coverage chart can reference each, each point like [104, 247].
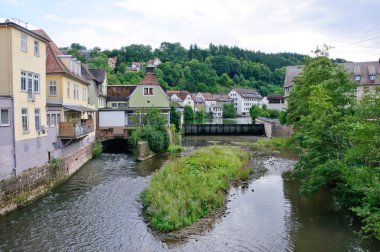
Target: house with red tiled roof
[135, 66]
[182, 97]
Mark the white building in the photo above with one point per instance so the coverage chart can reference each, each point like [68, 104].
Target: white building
[182, 97]
[244, 99]
[211, 105]
[274, 102]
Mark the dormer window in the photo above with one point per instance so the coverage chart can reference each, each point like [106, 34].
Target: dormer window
[372, 77]
[148, 91]
[358, 77]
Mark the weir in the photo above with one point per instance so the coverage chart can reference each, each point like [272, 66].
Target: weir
[225, 129]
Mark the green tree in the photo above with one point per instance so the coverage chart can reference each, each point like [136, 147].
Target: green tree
[188, 114]
[175, 117]
[229, 111]
[254, 111]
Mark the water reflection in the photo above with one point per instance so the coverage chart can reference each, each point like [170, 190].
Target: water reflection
[98, 209]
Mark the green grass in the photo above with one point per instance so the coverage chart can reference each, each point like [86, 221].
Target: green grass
[190, 187]
[175, 148]
[280, 143]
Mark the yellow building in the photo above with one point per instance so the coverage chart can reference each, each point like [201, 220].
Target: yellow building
[23, 135]
[70, 117]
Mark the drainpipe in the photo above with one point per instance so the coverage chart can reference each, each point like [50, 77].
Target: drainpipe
[13, 102]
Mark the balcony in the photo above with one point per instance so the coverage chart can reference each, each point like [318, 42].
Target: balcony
[68, 130]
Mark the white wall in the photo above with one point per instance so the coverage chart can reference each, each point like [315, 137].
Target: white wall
[111, 119]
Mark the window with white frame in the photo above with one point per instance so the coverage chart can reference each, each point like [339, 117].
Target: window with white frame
[4, 117]
[37, 119]
[24, 120]
[358, 77]
[52, 88]
[23, 81]
[372, 77]
[68, 89]
[36, 48]
[24, 43]
[148, 91]
[30, 86]
[76, 91]
[36, 83]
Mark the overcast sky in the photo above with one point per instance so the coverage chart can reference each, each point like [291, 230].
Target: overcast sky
[351, 26]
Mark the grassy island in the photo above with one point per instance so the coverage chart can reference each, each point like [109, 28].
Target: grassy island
[188, 188]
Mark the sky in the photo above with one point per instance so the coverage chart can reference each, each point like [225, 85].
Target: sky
[351, 27]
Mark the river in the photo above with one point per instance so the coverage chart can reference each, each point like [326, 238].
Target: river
[98, 210]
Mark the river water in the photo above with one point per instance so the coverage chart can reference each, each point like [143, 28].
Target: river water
[98, 210]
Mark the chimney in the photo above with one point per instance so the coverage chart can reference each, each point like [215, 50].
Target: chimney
[79, 68]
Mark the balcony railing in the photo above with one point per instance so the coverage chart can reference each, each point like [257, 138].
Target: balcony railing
[69, 130]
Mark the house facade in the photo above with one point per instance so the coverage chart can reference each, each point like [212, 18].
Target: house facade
[22, 99]
[211, 105]
[70, 116]
[244, 99]
[182, 97]
[365, 74]
[127, 103]
[274, 102]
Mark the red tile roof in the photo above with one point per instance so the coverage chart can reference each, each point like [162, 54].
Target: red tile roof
[149, 79]
[208, 96]
[53, 63]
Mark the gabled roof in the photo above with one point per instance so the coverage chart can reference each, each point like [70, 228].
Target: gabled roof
[53, 64]
[120, 92]
[247, 93]
[275, 97]
[181, 94]
[23, 29]
[149, 79]
[99, 74]
[196, 98]
[208, 96]
[223, 97]
[291, 73]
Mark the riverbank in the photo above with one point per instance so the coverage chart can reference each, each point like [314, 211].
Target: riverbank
[191, 187]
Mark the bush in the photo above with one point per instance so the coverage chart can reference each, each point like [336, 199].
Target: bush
[175, 118]
[229, 111]
[188, 114]
[190, 187]
[175, 148]
[98, 149]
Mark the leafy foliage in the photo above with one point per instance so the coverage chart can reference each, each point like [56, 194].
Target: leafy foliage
[175, 117]
[338, 138]
[188, 114]
[229, 111]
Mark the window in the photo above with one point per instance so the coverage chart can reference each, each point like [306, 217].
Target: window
[36, 48]
[53, 120]
[148, 91]
[84, 94]
[68, 89]
[372, 77]
[23, 43]
[52, 88]
[114, 105]
[76, 91]
[30, 86]
[37, 119]
[358, 77]
[5, 121]
[36, 83]
[23, 81]
[24, 119]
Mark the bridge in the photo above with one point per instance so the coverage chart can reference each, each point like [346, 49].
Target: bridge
[225, 129]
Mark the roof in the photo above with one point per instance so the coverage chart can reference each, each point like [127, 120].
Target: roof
[247, 93]
[181, 94]
[149, 79]
[291, 73]
[196, 98]
[53, 64]
[364, 69]
[275, 97]
[78, 108]
[99, 74]
[86, 73]
[208, 96]
[223, 97]
[119, 92]
[25, 30]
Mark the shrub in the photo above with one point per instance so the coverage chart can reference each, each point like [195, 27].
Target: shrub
[175, 118]
[188, 114]
[229, 111]
[98, 149]
[190, 187]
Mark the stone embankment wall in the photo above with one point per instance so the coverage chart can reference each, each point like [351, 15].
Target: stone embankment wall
[35, 182]
[273, 128]
[143, 151]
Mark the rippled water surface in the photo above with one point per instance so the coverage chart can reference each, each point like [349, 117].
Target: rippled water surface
[98, 210]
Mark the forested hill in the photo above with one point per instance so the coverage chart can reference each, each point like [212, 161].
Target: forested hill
[214, 69]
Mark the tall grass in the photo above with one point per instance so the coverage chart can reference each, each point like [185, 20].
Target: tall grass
[190, 187]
